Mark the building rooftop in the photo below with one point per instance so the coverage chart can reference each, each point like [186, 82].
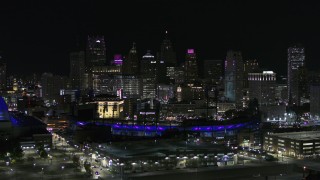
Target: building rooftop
[302, 136]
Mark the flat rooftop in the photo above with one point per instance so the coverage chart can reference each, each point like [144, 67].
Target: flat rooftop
[302, 136]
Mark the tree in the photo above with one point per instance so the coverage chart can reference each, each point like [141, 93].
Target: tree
[87, 167]
[43, 154]
[75, 160]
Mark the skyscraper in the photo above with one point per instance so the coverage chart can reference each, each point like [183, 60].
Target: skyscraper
[315, 101]
[95, 56]
[131, 63]
[166, 52]
[95, 51]
[77, 60]
[249, 66]
[296, 63]
[213, 71]
[234, 77]
[149, 75]
[262, 87]
[167, 60]
[3, 74]
[191, 66]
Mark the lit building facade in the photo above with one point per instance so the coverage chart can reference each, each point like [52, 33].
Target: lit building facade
[168, 57]
[249, 66]
[294, 144]
[191, 66]
[109, 107]
[149, 75]
[103, 81]
[164, 93]
[296, 61]
[234, 77]
[315, 101]
[262, 87]
[95, 51]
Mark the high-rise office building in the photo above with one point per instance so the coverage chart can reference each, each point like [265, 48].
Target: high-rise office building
[3, 75]
[95, 51]
[315, 101]
[131, 63]
[213, 71]
[234, 77]
[149, 75]
[95, 56]
[296, 63]
[167, 59]
[262, 87]
[191, 66]
[77, 69]
[103, 79]
[167, 53]
[249, 66]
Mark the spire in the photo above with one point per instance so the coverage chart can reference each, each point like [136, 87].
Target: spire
[133, 45]
[133, 49]
[166, 35]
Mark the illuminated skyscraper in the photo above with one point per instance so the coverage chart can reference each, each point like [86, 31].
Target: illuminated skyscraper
[296, 64]
[249, 66]
[95, 56]
[191, 67]
[262, 87]
[166, 52]
[167, 60]
[131, 63]
[234, 77]
[96, 51]
[149, 75]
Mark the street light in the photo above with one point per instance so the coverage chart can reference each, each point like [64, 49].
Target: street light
[304, 169]
[121, 170]
[42, 172]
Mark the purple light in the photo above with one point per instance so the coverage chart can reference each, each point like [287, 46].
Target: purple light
[117, 59]
[166, 127]
[230, 126]
[190, 51]
[80, 123]
[160, 128]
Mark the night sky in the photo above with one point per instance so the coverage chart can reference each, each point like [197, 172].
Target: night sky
[36, 36]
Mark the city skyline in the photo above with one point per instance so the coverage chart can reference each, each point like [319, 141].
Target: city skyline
[38, 36]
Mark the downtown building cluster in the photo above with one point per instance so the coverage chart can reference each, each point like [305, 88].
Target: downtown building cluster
[133, 84]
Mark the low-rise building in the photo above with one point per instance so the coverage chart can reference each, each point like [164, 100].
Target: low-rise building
[295, 144]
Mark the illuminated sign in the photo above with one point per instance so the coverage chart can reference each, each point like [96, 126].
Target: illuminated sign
[190, 51]
[147, 113]
[117, 59]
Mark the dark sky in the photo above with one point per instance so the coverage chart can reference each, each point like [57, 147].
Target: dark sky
[36, 36]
